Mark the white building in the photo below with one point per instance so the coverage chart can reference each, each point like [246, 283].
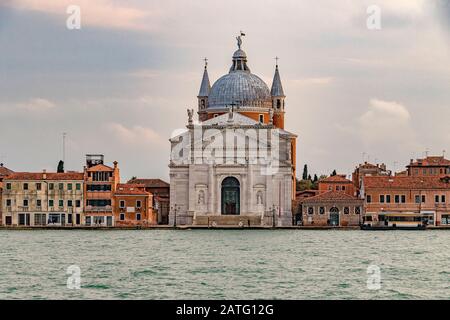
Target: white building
[237, 165]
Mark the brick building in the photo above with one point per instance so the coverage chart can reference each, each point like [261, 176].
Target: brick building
[404, 200]
[337, 183]
[100, 184]
[429, 166]
[332, 208]
[133, 206]
[161, 197]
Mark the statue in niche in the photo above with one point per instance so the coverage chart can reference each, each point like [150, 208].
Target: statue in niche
[259, 198]
[201, 197]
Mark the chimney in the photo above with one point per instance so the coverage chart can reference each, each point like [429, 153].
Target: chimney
[115, 164]
[44, 174]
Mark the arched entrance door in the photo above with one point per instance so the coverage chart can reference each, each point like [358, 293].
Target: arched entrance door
[230, 196]
[334, 216]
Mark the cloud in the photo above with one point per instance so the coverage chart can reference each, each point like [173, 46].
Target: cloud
[135, 135]
[98, 13]
[387, 124]
[33, 106]
[37, 104]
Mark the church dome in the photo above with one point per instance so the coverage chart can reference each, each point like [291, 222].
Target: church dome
[239, 87]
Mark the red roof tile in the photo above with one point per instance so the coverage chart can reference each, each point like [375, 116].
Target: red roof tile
[337, 178]
[100, 167]
[151, 183]
[49, 176]
[431, 161]
[406, 182]
[5, 171]
[131, 189]
[331, 196]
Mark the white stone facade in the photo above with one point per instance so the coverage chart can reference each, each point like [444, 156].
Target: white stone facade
[202, 157]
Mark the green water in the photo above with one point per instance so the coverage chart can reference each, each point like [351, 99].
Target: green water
[224, 264]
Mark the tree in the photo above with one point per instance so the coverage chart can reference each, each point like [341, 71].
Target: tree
[309, 177]
[60, 166]
[334, 173]
[315, 178]
[305, 172]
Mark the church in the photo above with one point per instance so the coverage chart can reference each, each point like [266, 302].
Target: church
[235, 165]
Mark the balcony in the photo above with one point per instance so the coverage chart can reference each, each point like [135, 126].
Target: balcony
[93, 209]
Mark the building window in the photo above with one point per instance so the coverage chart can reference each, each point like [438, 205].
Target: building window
[278, 103]
[25, 203]
[403, 198]
[69, 219]
[381, 198]
[38, 186]
[122, 216]
[88, 221]
[338, 188]
[443, 198]
[343, 188]
[69, 186]
[368, 198]
[138, 217]
[38, 203]
[50, 203]
[78, 186]
[69, 203]
[357, 210]
[77, 203]
[261, 118]
[61, 203]
[8, 202]
[388, 198]
[310, 210]
[346, 210]
[322, 210]
[417, 199]
[122, 204]
[423, 199]
[51, 186]
[436, 198]
[61, 186]
[25, 186]
[397, 198]
[138, 203]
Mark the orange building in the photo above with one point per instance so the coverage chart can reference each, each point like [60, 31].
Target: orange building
[406, 200]
[133, 206]
[332, 208]
[337, 183]
[430, 166]
[99, 187]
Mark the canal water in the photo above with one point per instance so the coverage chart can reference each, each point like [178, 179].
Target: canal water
[225, 264]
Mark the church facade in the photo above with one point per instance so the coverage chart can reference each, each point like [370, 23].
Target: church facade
[235, 166]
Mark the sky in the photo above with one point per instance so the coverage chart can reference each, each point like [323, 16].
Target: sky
[121, 84]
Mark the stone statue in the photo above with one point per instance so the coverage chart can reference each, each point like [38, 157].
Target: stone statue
[271, 116]
[190, 113]
[201, 197]
[230, 113]
[239, 41]
[259, 199]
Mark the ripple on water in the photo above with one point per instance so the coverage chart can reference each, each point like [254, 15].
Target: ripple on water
[224, 264]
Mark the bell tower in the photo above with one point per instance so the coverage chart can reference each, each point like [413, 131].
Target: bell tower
[203, 94]
[278, 98]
